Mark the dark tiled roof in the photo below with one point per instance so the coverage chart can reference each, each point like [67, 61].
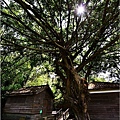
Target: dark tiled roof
[38, 89]
[103, 86]
[31, 90]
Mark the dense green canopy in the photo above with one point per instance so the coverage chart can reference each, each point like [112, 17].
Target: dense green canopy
[33, 28]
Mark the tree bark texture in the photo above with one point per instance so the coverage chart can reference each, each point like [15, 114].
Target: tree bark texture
[77, 96]
[76, 89]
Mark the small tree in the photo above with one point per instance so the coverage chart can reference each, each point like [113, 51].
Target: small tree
[76, 43]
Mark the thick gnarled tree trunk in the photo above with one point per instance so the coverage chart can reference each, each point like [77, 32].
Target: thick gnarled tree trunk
[75, 88]
[77, 96]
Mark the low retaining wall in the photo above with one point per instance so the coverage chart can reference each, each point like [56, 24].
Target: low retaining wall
[104, 106]
[21, 117]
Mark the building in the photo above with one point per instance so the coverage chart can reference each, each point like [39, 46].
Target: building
[30, 103]
[104, 101]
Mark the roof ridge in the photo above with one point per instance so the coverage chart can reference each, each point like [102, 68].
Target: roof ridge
[30, 90]
[103, 85]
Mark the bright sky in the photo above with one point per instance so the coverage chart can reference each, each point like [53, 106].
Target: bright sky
[7, 1]
[80, 9]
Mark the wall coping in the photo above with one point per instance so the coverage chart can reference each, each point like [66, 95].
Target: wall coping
[103, 91]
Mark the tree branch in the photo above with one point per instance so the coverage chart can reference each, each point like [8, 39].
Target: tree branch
[30, 48]
[96, 54]
[43, 21]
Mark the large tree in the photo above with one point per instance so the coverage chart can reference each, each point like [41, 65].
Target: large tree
[76, 43]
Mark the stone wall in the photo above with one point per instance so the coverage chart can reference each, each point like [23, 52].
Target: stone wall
[21, 117]
[104, 106]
